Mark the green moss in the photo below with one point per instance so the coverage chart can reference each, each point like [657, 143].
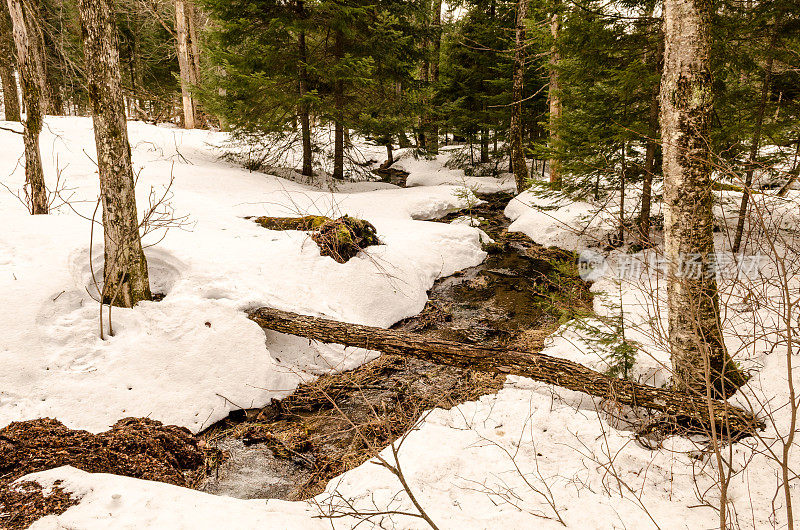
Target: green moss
[308, 222]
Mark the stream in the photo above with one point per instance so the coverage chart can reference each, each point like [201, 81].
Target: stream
[293, 447]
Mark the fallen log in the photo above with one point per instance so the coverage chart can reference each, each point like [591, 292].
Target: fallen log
[682, 407]
[305, 223]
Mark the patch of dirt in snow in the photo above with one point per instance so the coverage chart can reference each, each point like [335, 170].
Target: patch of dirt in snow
[391, 175]
[133, 447]
[25, 503]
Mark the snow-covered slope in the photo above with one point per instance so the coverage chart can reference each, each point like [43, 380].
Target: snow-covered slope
[191, 358]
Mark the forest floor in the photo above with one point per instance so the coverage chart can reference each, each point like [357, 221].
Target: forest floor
[480, 453]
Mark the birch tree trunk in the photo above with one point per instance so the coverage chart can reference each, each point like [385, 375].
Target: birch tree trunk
[10, 92]
[125, 278]
[28, 56]
[518, 165]
[185, 64]
[555, 93]
[699, 358]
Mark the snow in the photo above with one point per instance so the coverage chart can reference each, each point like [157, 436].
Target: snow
[191, 358]
[431, 172]
[522, 458]
[111, 501]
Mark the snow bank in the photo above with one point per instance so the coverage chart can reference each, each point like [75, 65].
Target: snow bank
[111, 501]
[424, 172]
[558, 221]
[193, 357]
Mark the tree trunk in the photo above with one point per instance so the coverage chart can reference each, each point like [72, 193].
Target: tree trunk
[756, 140]
[433, 127]
[793, 174]
[699, 357]
[10, 92]
[484, 146]
[389, 154]
[28, 56]
[538, 366]
[650, 155]
[518, 165]
[305, 120]
[126, 277]
[185, 64]
[555, 94]
[622, 183]
[50, 103]
[338, 139]
[403, 141]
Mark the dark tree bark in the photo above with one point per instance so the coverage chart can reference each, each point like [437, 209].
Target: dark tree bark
[338, 129]
[700, 360]
[793, 174]
[305, 119]
[622, 182]
[126, 279]
[29, 55]
[10, 92]
[756, 139]
[50, 97]
[518, 165]
[538, 366]
[389, 154]
[650, 154]
[432, 140]
[555, 94]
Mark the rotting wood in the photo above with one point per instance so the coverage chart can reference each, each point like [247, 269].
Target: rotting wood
[307, 222]
[683, 407]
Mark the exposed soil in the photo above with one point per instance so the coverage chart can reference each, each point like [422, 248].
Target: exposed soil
[27, 502]
[133, 447]
[292, 448]
[392, 176]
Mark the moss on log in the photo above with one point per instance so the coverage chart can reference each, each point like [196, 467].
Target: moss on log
[308, 222]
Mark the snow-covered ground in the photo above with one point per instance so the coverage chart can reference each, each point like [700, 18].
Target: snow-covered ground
[531, 456]
[191, 358]
[432, 172]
